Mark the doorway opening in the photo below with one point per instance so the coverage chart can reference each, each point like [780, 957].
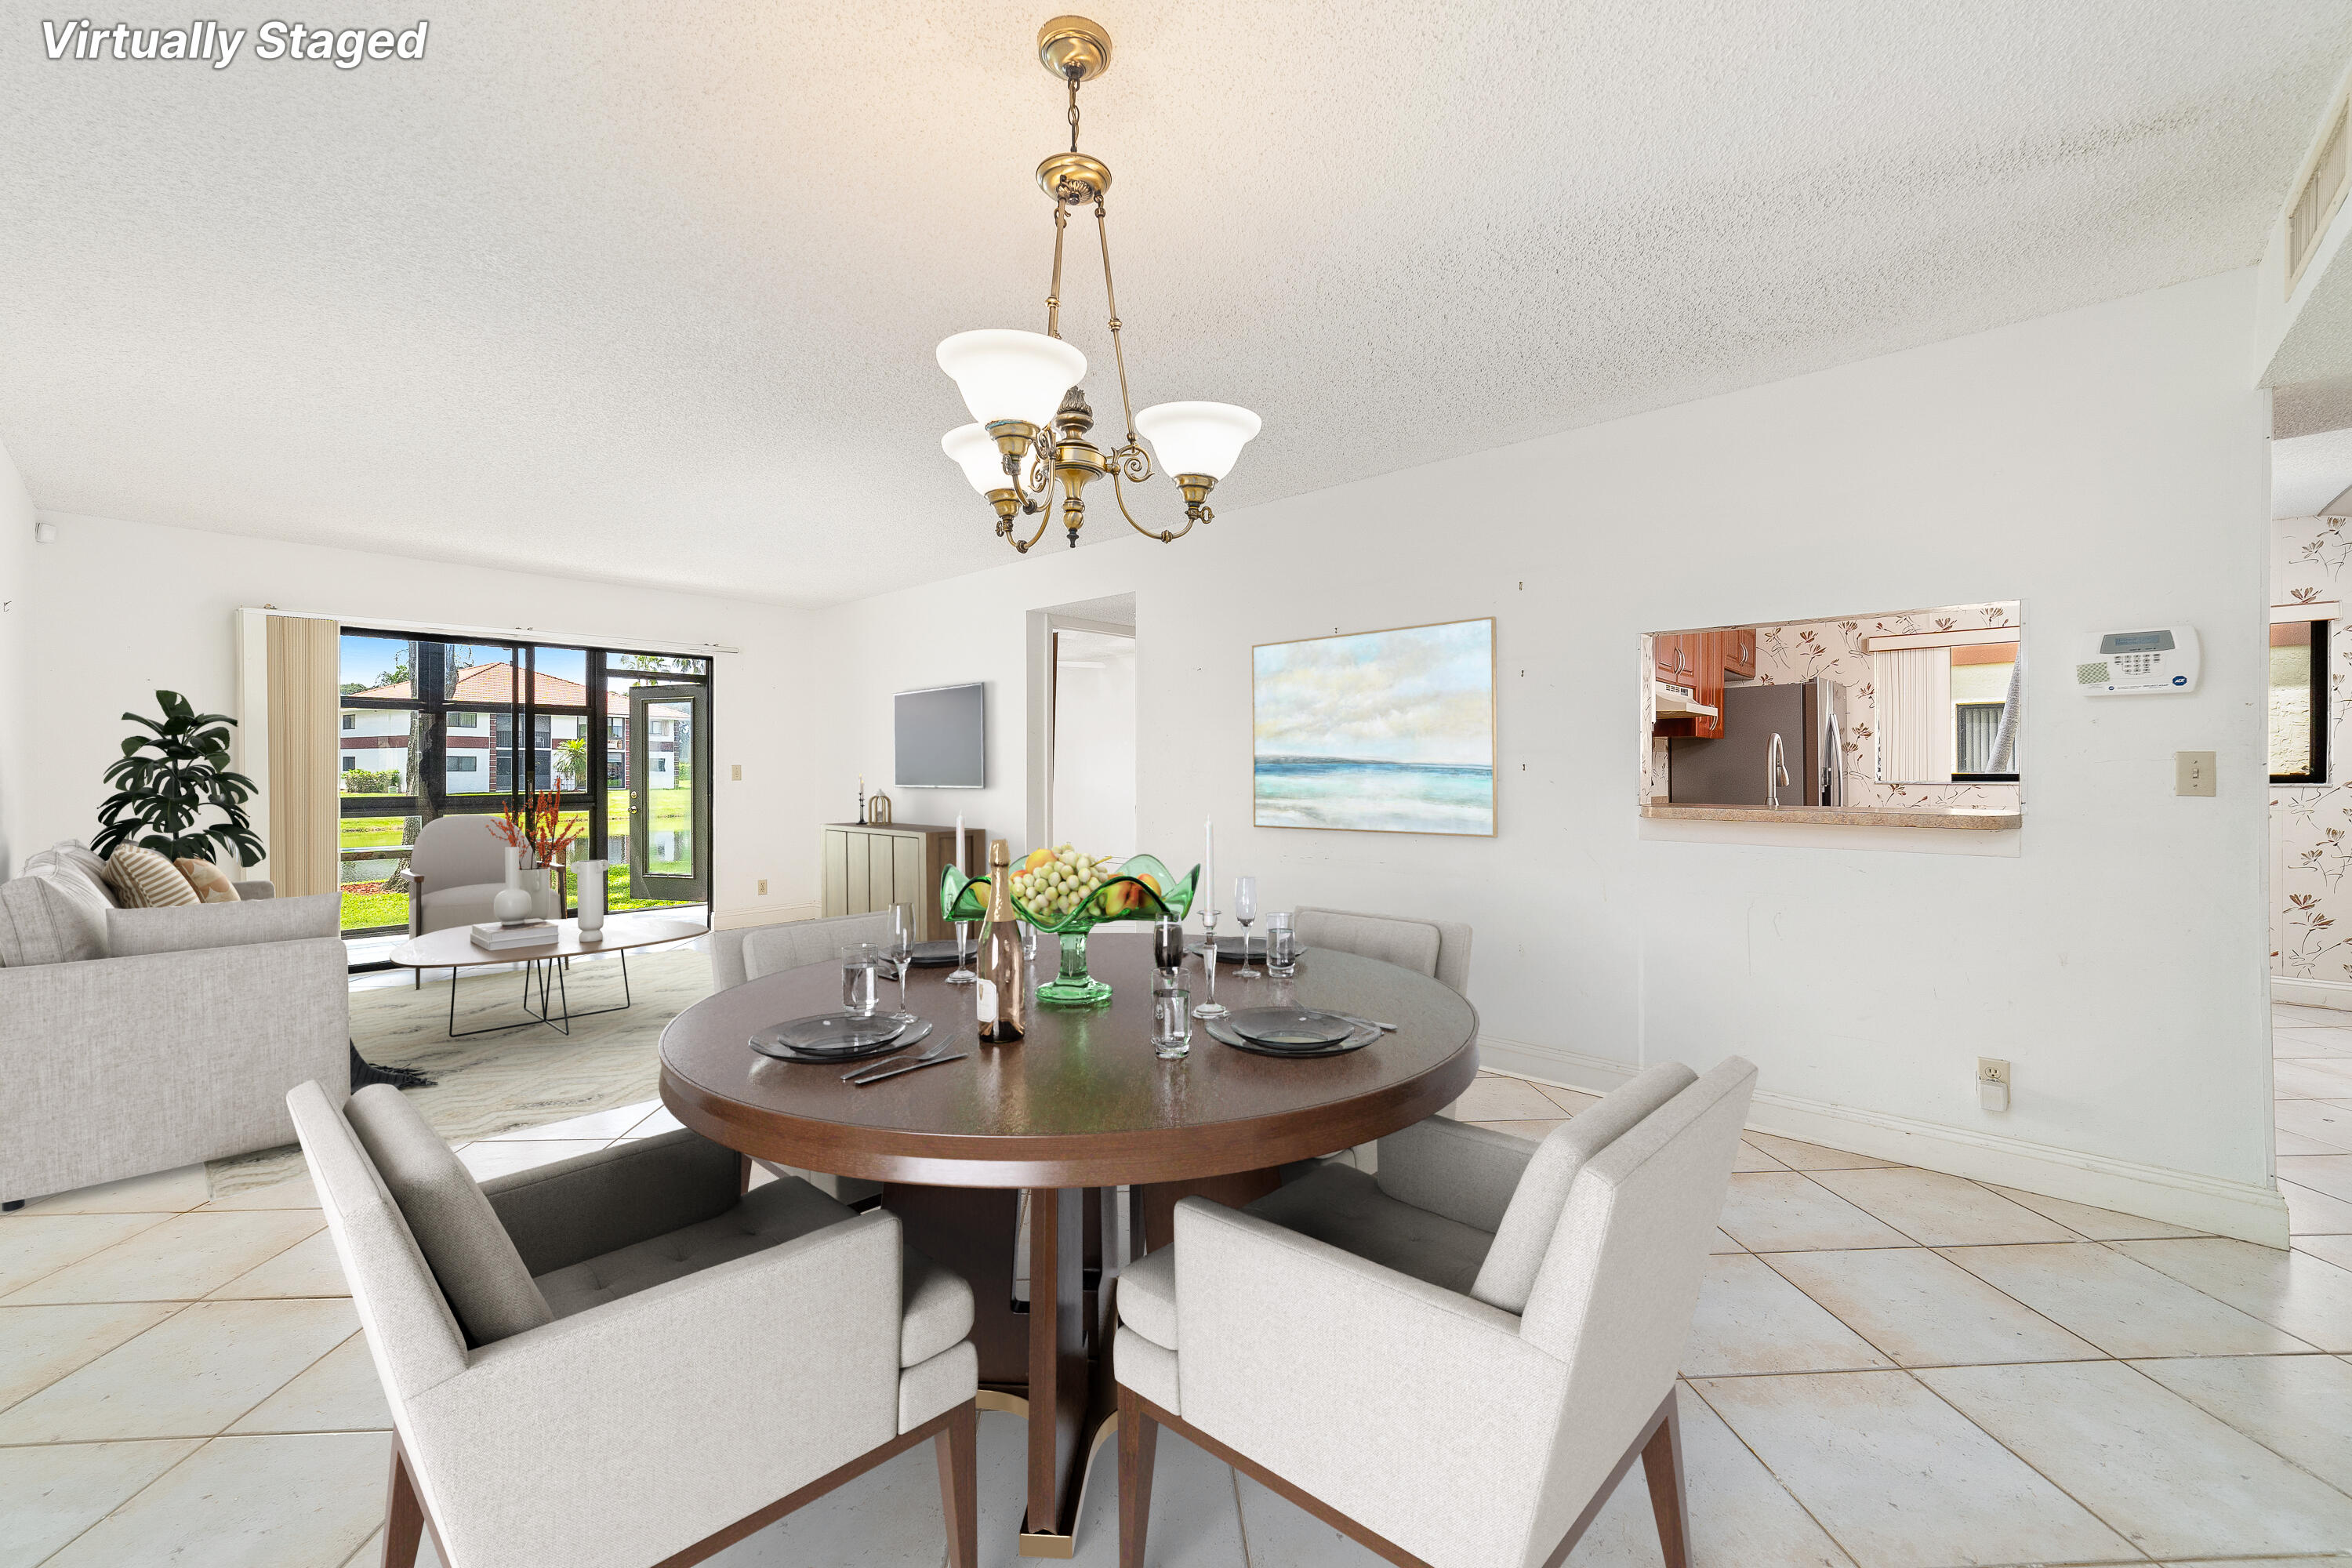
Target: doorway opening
[1083, 793]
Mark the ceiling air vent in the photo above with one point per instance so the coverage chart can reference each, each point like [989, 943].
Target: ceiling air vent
[2322, 194]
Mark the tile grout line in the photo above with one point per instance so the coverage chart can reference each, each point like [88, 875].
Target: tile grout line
[168, 1317]
[1740, 1437]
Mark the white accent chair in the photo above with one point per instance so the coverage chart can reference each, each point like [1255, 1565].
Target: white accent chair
[1453, 1362]
[623, 1358]
[748, 953]
[455, 868]
[1440, 949]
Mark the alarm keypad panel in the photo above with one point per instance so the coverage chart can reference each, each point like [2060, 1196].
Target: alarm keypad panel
[2138, 663]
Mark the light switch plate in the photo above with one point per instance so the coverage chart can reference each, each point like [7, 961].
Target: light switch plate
[2193, 773]
[739, 773]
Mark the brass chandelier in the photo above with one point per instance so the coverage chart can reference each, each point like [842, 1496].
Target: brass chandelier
[1025, 390]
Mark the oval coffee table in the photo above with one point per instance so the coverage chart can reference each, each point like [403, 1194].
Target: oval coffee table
[453, 949]
[1079, 1107]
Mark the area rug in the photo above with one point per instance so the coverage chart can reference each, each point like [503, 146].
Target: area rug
[521, 1078]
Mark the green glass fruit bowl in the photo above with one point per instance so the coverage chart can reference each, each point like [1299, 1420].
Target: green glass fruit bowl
[1069, 900]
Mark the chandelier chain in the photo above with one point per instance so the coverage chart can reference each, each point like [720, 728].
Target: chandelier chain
[1074, 109]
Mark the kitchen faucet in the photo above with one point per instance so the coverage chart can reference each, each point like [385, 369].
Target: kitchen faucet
[1776, 771]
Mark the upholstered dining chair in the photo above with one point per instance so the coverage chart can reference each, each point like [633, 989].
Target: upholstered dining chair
[749, 952]
[623, 1360]
[1440, 949]
[1453, 1362]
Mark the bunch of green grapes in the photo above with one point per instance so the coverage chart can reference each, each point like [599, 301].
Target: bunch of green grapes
[1053, 883]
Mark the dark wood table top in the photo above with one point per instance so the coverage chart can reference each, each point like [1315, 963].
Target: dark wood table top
[1081, 1101]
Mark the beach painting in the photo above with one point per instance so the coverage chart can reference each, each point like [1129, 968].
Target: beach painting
[1378, 731]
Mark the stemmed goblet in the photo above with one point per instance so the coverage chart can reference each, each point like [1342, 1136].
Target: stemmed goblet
[901, 946]
[1245, 910]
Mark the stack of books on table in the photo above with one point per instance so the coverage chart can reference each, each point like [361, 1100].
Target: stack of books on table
[523, 933]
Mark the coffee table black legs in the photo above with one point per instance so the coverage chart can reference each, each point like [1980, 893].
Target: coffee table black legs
[554, 1008]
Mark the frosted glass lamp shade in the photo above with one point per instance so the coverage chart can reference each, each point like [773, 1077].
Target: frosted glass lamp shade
[1006, 374]
[974, 451]
[1196, 437]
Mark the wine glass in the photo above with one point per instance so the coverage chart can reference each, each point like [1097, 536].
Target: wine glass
[902, 945]
[1245, 910]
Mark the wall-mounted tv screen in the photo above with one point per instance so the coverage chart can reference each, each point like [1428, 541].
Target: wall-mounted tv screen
[941, 738]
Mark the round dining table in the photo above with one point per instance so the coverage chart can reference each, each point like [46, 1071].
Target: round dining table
[1076, 1109]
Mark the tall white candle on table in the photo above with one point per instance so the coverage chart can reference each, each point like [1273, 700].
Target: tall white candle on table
[960, 865]
[1209, 861]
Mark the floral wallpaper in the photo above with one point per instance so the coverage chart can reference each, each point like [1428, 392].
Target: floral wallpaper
[1833, 651]
[2311, 825]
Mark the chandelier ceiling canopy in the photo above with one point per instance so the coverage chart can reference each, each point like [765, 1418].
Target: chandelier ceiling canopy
[1025, 390]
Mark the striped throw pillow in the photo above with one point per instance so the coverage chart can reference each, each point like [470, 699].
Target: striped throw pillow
[146, 880]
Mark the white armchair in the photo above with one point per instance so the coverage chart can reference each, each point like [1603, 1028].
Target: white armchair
[621, 1360]
[455, 868]
[1453, 1362]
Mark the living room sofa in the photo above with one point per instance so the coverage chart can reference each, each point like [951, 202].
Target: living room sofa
[134, 1040]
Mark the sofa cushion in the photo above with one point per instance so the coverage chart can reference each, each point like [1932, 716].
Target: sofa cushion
[51, 916]
[471, 1256]
[130, 933]
[144, 879]
[212, 884]
[775, 1212]
[1344, 1207]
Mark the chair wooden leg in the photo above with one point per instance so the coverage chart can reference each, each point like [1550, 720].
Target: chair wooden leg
[403, 1515]
[1138, 1441]
[1661, 1465]
[958, 1448]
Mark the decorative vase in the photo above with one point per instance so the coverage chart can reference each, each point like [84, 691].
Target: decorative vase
[512, 904]
[592, 895]
[546, 888]
[1123, 897]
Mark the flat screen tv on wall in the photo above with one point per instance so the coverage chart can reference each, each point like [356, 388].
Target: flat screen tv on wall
[941, 738]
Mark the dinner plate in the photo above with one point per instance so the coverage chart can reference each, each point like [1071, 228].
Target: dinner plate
[1290, 1028]
[1229, 949]
[1364, 1035]
[833, 1036]
[767, 1046]
[934, 954]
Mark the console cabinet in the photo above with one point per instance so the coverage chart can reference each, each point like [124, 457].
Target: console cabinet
[867, 867]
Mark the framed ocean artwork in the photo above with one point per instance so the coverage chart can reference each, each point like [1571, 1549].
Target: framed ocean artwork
[1390, 732]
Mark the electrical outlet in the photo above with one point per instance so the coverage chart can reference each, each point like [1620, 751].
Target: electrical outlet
[1992, 1083]
[739, 772]
[2193, 773]
[763, 887]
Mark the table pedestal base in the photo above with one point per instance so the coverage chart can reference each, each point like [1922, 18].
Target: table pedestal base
[1049, 1359]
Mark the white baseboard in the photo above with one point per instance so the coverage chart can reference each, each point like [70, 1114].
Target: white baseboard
[2240, 1209]
[761, 915]
[2311, 992]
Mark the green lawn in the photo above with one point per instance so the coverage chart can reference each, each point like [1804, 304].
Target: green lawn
[366, 908]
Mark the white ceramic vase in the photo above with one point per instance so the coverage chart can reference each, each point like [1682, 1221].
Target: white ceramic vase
[512, 904]
[591, 894]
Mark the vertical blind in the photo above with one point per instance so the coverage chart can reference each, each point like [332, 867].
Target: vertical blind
[1913, 692]
[304, 718]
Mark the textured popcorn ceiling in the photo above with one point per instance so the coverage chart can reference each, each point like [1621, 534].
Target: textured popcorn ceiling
[649, 292]
[2308, 472]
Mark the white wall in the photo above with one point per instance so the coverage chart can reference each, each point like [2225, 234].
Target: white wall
[16, 689]
[2106, 466]
[122, 609]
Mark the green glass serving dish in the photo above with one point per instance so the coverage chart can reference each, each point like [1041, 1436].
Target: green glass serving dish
[1140, 890]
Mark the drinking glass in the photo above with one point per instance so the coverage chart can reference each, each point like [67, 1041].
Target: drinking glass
[1245, 910]
[1168, 946]
[1212, 1008]
[1281, 945]
[861, 978]
[1172, 1022]
[962, 974]
[902, 945]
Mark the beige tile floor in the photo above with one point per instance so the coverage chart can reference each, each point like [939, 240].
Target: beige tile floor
[1889, 1368]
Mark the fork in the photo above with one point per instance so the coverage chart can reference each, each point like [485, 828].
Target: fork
[892, 1064]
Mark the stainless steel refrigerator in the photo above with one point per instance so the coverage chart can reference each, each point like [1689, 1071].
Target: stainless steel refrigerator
[1738, 768]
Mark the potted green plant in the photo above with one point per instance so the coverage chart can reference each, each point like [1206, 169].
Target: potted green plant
[165, 782]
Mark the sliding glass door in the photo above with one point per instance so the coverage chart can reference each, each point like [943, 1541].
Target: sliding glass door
[433, 726]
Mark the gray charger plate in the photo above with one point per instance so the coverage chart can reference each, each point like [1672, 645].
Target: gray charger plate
[801, 1039]
[1366, 1033]
[1290, 1028]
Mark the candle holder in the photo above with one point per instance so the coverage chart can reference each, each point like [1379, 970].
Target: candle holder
[1212, 1008]
[1142, 889]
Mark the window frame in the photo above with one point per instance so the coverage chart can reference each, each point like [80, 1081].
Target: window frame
[2321, 632]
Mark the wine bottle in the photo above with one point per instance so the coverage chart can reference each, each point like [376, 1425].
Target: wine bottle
[1003, 1004]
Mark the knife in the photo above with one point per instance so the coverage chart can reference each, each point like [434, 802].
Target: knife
[911, 1067]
